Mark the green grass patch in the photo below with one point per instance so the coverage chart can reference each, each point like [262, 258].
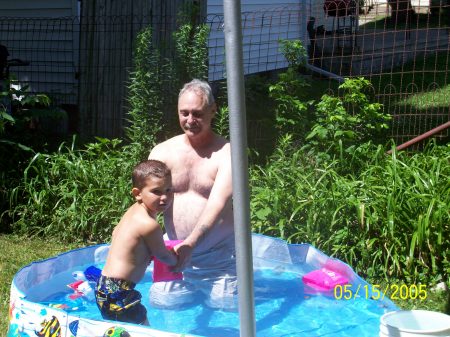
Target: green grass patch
[406, 298]
[17, 252]
[438, 98]
[418, 93]
[418, 21]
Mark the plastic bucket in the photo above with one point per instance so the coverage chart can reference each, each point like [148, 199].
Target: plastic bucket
[414, 323]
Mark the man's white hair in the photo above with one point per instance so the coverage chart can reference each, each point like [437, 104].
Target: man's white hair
[199, 86]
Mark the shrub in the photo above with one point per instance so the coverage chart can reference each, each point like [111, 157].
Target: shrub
[388, 220]
[74, 194]
[346, 124]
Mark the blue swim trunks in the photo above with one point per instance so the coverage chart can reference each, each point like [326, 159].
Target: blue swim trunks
[118, 301]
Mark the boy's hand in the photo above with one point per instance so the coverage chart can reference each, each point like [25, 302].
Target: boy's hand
[184, 254]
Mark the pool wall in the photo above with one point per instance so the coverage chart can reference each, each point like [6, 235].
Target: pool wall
[41, 279]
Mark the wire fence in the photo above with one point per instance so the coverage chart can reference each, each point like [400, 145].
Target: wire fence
[401, 47]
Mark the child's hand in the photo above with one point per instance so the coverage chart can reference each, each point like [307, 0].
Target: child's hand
[184, 254]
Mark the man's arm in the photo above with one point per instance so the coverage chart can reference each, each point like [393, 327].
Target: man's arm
[219, 197]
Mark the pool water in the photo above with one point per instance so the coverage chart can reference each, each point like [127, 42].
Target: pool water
[282, 308]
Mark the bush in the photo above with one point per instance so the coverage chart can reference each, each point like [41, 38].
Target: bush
[74, 194]
[387, 220]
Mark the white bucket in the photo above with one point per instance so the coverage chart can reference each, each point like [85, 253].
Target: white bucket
[414, 323]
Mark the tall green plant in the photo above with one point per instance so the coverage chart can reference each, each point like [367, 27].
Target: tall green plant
[191, 44]
[347, 124]
[73, 194]
[387, 220]
[221, 122]
[148, 82]
[292, 113]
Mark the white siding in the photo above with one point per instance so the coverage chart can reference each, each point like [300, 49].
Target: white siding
[38, 8]
[264, 23]
[46, 33]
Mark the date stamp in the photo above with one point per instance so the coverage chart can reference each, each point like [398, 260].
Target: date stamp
[393, 291]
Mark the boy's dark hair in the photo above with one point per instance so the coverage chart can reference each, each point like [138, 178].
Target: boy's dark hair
[146, 169]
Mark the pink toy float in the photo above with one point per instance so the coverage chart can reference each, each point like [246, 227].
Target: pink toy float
[161, 271]
[323, 280]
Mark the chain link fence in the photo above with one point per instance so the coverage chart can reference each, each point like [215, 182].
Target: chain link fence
[401, 46]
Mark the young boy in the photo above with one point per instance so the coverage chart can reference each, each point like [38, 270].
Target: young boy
[135, 240]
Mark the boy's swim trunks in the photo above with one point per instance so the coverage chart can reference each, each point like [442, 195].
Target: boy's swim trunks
[117, 300]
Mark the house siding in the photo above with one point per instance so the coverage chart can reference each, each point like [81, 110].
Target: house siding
[45, 33]
[38, 8]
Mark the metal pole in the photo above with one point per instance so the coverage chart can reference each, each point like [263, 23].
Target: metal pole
[239, 163]
[423, 136]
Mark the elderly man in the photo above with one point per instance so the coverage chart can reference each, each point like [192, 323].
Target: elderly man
[201, 214]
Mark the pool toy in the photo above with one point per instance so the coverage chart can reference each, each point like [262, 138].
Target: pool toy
[116, 331]
[161, 271]
[82, 289]
[91, 274]
[324, 279]
[85, 283]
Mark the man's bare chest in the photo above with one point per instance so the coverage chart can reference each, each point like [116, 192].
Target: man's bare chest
[197, 175]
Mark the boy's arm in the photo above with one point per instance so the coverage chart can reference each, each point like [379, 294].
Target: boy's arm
[153, 238]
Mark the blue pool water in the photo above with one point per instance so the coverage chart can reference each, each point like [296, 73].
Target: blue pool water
[282, 309]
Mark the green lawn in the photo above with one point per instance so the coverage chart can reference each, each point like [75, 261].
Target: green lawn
[17, 252]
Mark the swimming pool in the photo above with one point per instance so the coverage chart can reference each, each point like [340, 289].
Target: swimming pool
[284, 306]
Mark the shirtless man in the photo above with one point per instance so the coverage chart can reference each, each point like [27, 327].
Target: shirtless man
[201, 213]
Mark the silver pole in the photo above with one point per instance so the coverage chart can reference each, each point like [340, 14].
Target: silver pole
[239, 163]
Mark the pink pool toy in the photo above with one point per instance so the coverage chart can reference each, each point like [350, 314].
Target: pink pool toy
[161, 271]
[323, 280]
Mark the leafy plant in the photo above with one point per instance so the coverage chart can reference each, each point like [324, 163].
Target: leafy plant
[345, 124]
[291, 113]
[388, 219]
[191, 44]
[20, 111]
[221, 124]
[294, 52]
[73, 194]
[148, 80]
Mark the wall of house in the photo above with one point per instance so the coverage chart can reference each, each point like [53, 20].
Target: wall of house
[38, 8]
[264, 22]
[45, 33]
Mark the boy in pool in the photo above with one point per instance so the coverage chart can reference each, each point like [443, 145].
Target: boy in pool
[135, 240]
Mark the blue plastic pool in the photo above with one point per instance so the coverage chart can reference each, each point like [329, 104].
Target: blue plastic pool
[40, 303]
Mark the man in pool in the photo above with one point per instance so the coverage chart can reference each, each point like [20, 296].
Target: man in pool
[201, 214]
[135, 240]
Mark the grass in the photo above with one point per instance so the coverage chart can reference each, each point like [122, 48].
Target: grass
[435, 299]
[419, 21]
[425, 74]
[432, 99]
[16, 253]
[419, 87]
